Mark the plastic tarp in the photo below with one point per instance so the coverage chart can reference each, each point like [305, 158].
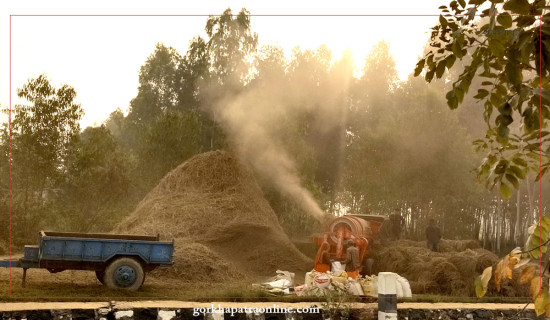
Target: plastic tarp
[281, 283]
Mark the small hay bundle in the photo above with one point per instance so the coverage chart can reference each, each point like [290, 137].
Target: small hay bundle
[214, 209]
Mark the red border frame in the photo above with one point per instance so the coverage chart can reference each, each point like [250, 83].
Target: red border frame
[261, 15]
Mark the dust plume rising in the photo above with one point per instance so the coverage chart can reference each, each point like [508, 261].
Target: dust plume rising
[257, 119]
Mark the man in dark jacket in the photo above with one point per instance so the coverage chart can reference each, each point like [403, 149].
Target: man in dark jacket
[433, 235]
[396, 224]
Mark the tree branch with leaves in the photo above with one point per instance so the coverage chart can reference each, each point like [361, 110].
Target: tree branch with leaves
[535, 248]
[514, 67]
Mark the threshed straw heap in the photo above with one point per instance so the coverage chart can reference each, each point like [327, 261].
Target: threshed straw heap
[224, 228]
[450, 271]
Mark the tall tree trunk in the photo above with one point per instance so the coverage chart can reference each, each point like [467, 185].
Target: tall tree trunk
[531, 199]
[442, 223]
[517, 226]
[484, 228]
[499, 225]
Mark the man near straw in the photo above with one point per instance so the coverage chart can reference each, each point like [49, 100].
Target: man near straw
[396, 224]
[353, 265]
[433, 235]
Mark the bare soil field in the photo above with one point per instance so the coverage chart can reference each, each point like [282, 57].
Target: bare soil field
[83, 285]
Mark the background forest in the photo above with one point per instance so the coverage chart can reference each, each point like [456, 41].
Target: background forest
[355, 141]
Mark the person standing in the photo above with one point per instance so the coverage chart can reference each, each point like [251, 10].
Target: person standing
[353, 265]
[396, 224]
[433, 235]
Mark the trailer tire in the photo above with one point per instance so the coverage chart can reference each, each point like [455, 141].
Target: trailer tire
[100, 275]
[124, 273]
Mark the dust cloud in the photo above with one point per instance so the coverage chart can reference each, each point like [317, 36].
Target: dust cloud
[257, 119]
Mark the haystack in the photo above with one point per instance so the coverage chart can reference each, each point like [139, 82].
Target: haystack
[223, 226]
[451, 271]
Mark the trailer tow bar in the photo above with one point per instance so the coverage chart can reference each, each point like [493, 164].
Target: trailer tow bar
[17, 264]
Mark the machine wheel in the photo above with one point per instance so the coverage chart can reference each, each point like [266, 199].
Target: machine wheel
[100, 275]
[124, 273]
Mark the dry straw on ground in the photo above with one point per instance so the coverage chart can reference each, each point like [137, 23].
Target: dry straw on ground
[224, 228]
[451, 271]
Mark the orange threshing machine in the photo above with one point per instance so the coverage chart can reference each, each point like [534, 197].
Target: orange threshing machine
[362, 229]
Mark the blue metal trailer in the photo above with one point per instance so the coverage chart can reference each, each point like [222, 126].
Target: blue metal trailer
[119, 261]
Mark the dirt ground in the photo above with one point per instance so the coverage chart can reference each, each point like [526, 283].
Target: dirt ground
[84, 285]
[75, 285]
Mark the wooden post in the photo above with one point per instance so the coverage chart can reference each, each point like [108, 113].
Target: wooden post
[387, 296]
[24, 277]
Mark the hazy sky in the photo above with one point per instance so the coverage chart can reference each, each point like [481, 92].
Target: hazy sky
[101, 56]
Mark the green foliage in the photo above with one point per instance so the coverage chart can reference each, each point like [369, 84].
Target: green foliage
[514, 64]
[170, 140]
[406, 149]
[98, 180]
[369, 129]
[42, 132]
[166, 124]
[193, 70]
[158, 90]
[230, 43]
[4, 183]
[537, 242]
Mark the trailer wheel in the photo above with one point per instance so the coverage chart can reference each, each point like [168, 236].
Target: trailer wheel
[124, 273]
[100, 275]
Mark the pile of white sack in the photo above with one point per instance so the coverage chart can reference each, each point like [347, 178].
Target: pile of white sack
[339, 284]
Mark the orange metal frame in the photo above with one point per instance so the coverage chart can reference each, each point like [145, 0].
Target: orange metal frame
[334, 250]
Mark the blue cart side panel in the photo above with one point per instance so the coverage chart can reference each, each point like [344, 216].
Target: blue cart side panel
[111, 249]
[31, 253]
[92, 250]
[52, 249]
[162, 253]
[101, 250]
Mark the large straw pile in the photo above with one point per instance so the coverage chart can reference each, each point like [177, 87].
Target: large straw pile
[223, 227]
[451, 271]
